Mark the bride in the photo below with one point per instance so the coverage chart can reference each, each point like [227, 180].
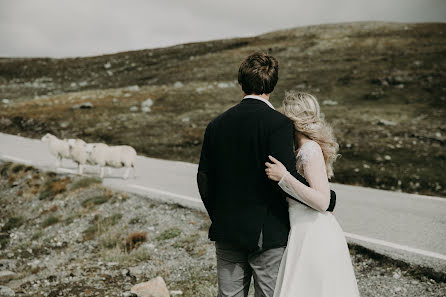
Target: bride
[316, 262]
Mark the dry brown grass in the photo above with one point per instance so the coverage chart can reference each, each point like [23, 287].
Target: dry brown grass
[53, 208]
[134, 240]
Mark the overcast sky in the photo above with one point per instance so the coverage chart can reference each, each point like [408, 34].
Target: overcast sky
[68, 28]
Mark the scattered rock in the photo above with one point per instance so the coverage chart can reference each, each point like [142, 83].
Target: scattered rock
[200, 89]
[64, 124]
[129, 294]
[386, 122]
[6, 292]
[178, 84]
[136, 271]
[107, 65]
[185, 120]
[134, 88]
[5, 122]
[85, 105]
[224, 85]
[133, 108]
[124, 272]
[5, 101]
[153, 288]
[176, 292]
[329, 102]
[6, 276]
[146, 105]
[83, 83]
[387, 157]
[7, 264]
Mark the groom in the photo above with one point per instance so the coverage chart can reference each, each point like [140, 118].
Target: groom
[249, 213]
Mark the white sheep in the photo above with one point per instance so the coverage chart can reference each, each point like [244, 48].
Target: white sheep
[78, 153]
[57, 147]
[113, 156]
[97, 155]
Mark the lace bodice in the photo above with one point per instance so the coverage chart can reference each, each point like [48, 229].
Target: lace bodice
[305, 154]
[310, 163]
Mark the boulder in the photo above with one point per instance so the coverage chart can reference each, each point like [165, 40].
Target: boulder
[146, 105]
[6, 292]
[153, 288]
[6, 276]
[8, 264]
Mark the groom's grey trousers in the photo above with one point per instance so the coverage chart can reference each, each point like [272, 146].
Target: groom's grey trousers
[236, 266]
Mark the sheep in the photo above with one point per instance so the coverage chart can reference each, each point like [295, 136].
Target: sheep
[57, 147]
[78, 153]
[97, 154]
[113, 156]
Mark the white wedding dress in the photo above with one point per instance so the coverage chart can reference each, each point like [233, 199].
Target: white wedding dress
[316, 262]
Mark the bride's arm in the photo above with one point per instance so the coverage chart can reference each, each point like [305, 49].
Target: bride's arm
[317, 196]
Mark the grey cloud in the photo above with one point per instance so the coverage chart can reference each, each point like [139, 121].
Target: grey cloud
[77, 28]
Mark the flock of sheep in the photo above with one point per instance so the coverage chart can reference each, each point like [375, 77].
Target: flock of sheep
[96, 154]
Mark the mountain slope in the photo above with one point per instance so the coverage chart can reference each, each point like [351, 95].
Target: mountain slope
[381, 85]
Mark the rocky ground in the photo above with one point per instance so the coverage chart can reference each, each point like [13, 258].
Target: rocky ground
[65, 235]
[381, 86]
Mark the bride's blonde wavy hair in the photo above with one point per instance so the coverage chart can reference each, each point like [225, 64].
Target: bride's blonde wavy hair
[304, 110]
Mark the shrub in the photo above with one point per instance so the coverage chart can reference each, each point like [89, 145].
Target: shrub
[17, 168]
[46, 193]
[51, 220]
[169, 234]
[134, 240]
[53, 187]
[188, 244]
[13, 222]
[99, 225]
[36, 235]
[4, 169]
[96, 200]
[85, 182]
[112, 220]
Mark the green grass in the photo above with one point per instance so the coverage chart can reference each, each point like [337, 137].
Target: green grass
[92, 201]
[36, 235]
[100, 225]
[112, 220]
[17, 168]
[189, 243]
[12, 223]
[51, 220]
[85, 183]
[46, 194]
[169, 234]
[4, 242]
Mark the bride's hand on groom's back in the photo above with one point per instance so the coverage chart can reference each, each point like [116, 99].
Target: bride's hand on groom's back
[275, 170]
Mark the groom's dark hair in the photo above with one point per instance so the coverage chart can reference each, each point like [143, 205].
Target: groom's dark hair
[258, 74]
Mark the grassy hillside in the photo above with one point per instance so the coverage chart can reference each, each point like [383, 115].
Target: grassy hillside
[381, 85]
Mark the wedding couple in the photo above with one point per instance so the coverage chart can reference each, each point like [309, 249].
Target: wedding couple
[263, 178]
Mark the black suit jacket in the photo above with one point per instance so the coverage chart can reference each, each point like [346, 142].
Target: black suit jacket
[239, 198]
